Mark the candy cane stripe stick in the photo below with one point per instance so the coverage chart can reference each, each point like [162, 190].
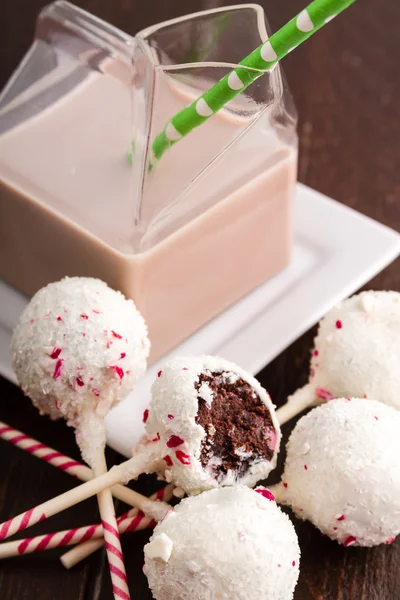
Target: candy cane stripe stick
[131, 521]
[79, 470]
[77, 350]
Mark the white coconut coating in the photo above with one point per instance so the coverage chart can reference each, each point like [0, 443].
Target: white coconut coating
[228, 543]
[342, 471]
[79, 347]
[172, 419]
[357, 351]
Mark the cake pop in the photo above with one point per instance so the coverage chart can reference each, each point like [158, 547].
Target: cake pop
[356, 353]
[77, 350]
[342, 471]
[230, 543]
[209, 424]
[215, 423]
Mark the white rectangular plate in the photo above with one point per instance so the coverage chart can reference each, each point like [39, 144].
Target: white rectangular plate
[336, 251]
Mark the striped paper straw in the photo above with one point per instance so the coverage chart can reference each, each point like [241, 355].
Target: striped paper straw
[112, 542]
[70, 537]
[261, 60]
[76, 469]
[131, 521]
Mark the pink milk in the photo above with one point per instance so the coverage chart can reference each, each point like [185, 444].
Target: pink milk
[209, 223]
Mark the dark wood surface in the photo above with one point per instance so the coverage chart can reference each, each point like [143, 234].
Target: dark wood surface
[345, 82]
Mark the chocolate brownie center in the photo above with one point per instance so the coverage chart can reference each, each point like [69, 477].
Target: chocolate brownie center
[238, 425]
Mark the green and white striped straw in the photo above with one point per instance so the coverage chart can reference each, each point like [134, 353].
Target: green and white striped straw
[296, 31]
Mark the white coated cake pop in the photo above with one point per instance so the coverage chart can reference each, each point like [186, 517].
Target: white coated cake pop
[356, 353]
[79, 348]
[342, 471]
[214, 424]
[227, 544]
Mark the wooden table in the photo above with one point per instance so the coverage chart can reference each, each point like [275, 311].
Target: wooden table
[345, 82]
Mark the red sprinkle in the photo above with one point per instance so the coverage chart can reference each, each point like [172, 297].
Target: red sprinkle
[335, 529]
[59, 319]
[118, 371]
[116, 335]
[174, 441]
[339, 324]
[83, 334]
[305, 468]
[279, 566]
[376, 418]
[58, 404]
[55, 353]
[98, 312]
[293, 563]
[95, 392]
[123, 354]
[182, 457]
[57, 370]
[350, 540]
[168, 460]
[185, 369]
[323, 394]
[157, 438]
[285, 485]
[171, 417]
[80, 381]
[145, 415]
[159, 373]
[108, 345]
[390, 540]
[84, 317]
[315, 353]
[341, 518]
[265, 493]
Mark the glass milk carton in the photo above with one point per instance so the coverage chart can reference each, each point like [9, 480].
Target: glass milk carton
[185, 239]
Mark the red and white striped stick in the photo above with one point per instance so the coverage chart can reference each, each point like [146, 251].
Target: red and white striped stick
[146, 460]
[69, 537]
[86, 537]
[76, 469]
[112, 542]
[139, 521]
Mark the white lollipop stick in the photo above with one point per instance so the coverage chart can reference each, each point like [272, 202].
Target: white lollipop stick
[67, 464]
[301, 400]
[130, 469]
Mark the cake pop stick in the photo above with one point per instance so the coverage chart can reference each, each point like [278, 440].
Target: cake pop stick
[356, 353]
[79, 470]
[342, 471]
[138, 520]
[78, 349]
[89, 537]
[229, 543]
[209, 424]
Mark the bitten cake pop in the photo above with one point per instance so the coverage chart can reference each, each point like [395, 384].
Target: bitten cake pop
[209, 424]
[356, 353]
[228, 543]
[79, 348]
[215, 423]
[342, 471]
